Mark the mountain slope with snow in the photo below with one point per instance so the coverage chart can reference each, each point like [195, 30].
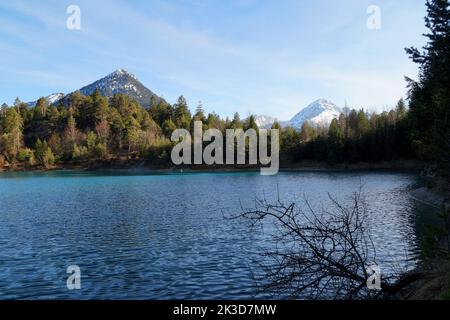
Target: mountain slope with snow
[265, 122]
[118, 82]
[319, 113]
[121, 82]
[51, 99]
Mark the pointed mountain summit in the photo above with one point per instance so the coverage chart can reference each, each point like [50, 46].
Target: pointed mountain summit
[118, 82]
[121, 82]
[319, 113]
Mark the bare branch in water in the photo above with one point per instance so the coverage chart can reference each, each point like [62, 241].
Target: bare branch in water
[317, 255]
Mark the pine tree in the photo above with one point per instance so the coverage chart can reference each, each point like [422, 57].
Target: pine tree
[17, 104]
[168, 127]
[335, 140]
[362, 124]
[44, 153]
[132, 129]
[214, 122]
[236, 123]
[3, 109]
[429, 98]
[12, 138]
[199, 113]
[182, 115]
[160, 112]
[41, 107]
[100, 107]
[250, 123]
[400, 109]
[72, 136]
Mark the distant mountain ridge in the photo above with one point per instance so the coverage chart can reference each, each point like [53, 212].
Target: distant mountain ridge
[319, 113]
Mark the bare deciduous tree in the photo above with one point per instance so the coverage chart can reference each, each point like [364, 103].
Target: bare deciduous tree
[318, 256]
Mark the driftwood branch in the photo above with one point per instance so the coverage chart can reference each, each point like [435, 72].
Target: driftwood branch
[318, 255]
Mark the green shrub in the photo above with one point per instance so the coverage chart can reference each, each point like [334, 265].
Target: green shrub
[80, 152]
[101, 151]
[159, 152]
[26, 156]
[44, 154]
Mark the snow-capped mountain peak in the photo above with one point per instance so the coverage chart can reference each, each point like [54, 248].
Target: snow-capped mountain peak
[51, 99]
[120, 73]
[265, 122]
[121, 82]
[54, 97]
[319, 113]
[118, 82]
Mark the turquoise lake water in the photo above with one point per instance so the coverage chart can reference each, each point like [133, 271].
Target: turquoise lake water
[138, 235]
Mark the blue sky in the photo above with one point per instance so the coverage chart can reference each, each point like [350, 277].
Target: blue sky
[252, 56]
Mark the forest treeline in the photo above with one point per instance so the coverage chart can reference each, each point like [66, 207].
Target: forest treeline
[97, 128]
[90, 128]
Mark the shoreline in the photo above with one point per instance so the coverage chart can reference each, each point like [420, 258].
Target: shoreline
[141, 164]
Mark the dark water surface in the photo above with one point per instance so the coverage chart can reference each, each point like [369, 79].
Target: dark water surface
[150, 236]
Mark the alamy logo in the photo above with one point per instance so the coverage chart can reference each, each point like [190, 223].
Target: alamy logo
[247, 143]
[73, 22]
[374, 20]
[374, 277]
[74, 280]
